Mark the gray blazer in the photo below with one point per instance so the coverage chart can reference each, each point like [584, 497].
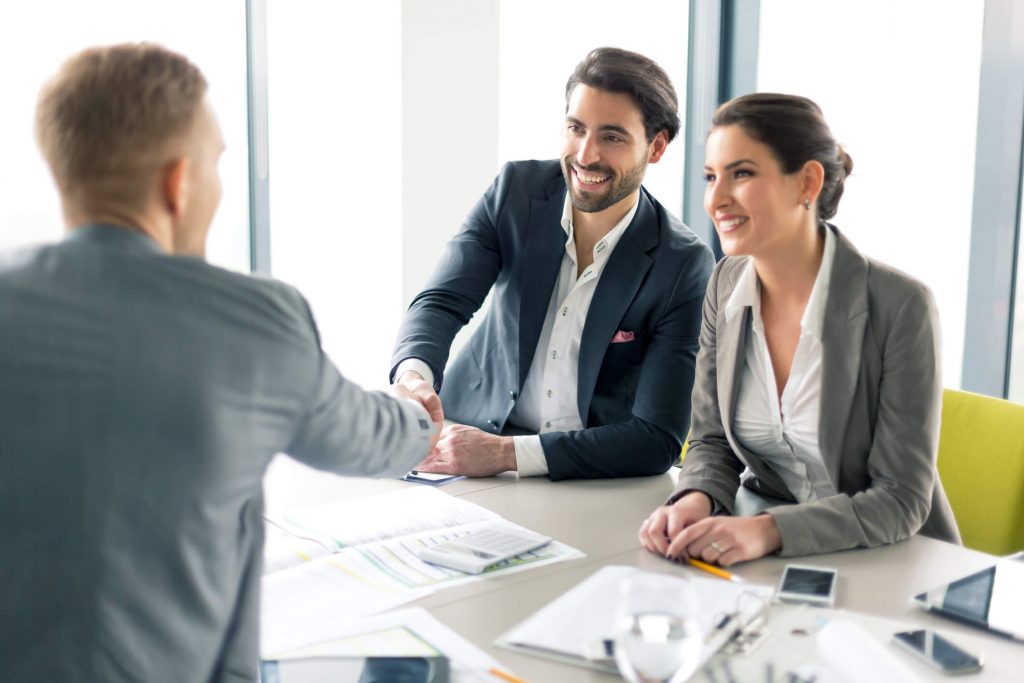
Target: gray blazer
[880, 409]
[141, 398]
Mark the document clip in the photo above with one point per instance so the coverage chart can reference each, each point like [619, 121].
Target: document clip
[745, 628]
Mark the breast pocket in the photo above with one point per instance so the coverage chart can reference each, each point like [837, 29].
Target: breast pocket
[620, 370]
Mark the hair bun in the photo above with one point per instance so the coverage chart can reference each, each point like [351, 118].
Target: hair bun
[794, 128]
[846, 160]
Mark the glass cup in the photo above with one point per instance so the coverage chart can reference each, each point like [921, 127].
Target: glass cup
[658, 638]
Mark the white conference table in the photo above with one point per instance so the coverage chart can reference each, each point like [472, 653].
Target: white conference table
[601, 518]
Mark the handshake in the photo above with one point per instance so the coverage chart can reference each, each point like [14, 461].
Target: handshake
[456, 449]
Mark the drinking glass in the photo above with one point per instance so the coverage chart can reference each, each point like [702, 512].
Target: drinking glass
[658, 638]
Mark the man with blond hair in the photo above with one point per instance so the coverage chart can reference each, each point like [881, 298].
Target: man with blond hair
[144, 392]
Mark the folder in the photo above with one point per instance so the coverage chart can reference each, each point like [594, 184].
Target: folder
[578, 626]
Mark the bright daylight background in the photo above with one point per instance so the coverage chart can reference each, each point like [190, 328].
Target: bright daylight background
[389, 119]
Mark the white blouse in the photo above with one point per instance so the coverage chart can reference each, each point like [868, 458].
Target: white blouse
[784, 432]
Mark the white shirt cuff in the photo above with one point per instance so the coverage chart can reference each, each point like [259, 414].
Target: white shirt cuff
[416, 365]
[530, 460]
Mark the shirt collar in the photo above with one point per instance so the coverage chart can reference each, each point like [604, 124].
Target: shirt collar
[604, 247]
[814, 314]
[115, 237]
[748, 289]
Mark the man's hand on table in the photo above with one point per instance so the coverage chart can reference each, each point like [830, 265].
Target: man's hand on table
[471, 452]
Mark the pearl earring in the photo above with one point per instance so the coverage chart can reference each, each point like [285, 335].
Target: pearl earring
[807, 204]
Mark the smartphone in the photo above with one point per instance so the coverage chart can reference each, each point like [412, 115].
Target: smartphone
[813, 585]
[356, 670]
[942, 654]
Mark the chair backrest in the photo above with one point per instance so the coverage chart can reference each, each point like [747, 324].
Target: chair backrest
[981, 464]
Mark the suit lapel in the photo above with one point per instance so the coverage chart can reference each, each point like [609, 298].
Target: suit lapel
[730, 351]
[846, 314]
[542, 256]
[620, 281]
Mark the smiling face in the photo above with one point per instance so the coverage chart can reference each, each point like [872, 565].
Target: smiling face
[757, 209]
[605, 150]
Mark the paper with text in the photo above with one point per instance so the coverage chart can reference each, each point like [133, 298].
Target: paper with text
[309, 598]
[314, 532]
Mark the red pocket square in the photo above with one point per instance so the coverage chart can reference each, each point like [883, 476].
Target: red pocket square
[623, 336]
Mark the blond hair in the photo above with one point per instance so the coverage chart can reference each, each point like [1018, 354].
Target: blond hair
[107, 120]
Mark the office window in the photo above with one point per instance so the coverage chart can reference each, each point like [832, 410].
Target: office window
[898, 83]
[334, 112]
[1016, 384]
[540, 44]
[36, 37]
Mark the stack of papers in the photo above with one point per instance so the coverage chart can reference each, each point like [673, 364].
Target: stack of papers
[568, 629]
[335, 564]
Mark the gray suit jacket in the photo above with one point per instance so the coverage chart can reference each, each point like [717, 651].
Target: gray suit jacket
[633, 396]
[880, 409]
[141, 398]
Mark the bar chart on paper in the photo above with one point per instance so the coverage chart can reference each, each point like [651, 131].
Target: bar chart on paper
[359, 576]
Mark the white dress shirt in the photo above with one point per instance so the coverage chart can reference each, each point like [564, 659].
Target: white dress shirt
[547, 402]
[784, 431]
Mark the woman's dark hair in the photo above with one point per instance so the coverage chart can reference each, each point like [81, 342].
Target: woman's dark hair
[622, 71]
[795, 130]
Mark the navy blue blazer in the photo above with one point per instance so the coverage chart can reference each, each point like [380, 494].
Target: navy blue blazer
[634, 397]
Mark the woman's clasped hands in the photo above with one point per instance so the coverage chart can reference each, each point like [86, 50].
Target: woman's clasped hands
[686, 529]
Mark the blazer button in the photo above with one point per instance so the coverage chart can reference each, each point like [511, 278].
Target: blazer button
[494, 425]
[513, 395]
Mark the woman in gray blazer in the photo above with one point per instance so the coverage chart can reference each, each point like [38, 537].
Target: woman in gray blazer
[817, 396]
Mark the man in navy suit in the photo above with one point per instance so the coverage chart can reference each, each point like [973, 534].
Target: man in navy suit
[584, 363]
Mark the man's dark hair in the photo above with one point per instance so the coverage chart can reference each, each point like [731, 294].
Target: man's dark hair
[622, 71]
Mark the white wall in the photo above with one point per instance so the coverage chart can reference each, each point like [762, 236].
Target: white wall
[335, 129]
[450, 128]
[898, 83]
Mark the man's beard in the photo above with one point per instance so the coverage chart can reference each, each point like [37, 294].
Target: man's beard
[619, 188]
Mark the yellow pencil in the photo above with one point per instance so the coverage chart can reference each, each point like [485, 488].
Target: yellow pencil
[504, 675]
[712, 569]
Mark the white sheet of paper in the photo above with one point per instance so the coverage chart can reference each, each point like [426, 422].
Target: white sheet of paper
[408, 632]
[385, 515]
[303, 601]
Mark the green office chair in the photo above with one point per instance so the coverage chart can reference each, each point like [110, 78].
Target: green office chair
[981, 464]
